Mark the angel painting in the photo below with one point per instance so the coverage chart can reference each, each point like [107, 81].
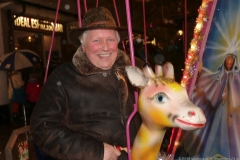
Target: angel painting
[217, 89]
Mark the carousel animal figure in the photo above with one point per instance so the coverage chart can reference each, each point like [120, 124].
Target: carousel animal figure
[162, 103]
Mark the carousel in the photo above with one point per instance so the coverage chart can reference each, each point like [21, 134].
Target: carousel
[202, 110]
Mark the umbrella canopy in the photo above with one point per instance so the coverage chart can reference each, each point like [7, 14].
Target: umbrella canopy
[18, 59]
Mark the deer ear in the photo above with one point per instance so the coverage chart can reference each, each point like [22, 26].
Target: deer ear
[158, 70]
[168, 70]
[136, 76]
[147, 71]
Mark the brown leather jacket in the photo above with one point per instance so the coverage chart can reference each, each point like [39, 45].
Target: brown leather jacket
[82, 106]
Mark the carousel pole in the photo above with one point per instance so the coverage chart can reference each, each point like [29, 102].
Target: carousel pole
[116, 11]
[96, 3]
[79, 14]
[85, 5]
[133, 64]
[129, 24]
[185, 29]
[53, 33]
[145, 35]
[177, 132]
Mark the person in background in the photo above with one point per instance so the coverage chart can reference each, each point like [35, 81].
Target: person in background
[33, 89]
[15, 81]
[39, 71]
[82, 110]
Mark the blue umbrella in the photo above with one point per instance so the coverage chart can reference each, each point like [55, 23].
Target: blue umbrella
[18, 59]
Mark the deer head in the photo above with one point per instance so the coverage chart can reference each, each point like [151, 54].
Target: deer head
[162, 103]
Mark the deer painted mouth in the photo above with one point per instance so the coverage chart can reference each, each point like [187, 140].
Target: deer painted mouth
[194, 125]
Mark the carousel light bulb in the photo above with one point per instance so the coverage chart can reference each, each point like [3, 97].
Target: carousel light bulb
[199, 26]
[193, 47]
[204, 4]
[180, 32]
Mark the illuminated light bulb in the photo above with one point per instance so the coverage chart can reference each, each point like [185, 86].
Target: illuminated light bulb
[199, 26]
[200, 15]
[180, 32]
[193, 47]
[189, 56]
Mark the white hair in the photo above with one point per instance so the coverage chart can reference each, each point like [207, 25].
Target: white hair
[82, 37]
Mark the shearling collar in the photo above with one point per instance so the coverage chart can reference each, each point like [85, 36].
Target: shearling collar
[86, 68]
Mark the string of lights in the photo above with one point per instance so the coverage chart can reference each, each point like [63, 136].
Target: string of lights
[198, 36]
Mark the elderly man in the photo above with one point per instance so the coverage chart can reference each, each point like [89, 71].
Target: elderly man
[84, 105]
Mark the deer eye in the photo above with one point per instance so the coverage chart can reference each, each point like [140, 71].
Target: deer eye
[160, 97]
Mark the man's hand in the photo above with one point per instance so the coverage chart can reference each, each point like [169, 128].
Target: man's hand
[110, 153]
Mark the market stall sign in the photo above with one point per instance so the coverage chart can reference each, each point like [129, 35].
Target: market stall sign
[33, 23]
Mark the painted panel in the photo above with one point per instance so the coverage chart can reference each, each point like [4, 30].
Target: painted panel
[217, 87]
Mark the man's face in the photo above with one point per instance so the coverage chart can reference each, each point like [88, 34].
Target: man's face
[101, 47]
[229, 62]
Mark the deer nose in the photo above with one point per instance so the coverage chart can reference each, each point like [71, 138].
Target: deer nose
[191, 113]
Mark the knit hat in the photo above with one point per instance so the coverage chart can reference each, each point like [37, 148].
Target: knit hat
[97, 18]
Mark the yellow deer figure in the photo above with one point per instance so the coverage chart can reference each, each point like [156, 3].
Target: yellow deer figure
[162, 103]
